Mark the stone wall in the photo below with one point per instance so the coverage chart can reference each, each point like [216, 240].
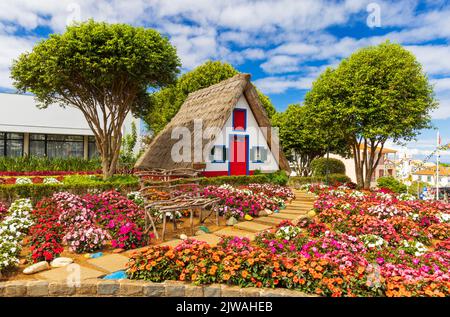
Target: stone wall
[105, 288]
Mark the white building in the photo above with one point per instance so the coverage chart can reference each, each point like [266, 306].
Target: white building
[221, 130]
[52, 132]
[428, 175]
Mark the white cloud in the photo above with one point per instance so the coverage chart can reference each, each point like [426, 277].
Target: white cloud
[434, 58]
[12, 47]
[277, 85]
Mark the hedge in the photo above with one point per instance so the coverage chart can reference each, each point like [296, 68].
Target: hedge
[332, 179]
[82, 185]
[319, 166]
[278, 178]
[33, 164]
[35, 192]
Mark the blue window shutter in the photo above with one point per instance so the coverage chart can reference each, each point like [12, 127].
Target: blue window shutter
[224, 153]
[263, 154]
[252, 154]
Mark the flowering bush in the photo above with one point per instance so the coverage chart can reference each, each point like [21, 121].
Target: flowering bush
[3, 210]
[85, 237]
[287, 232]
[23, 180]
[9, 252]
[12, 230]
[249, 199]
[51, 180]
[361, 244]
[121, 216]
[47, 233]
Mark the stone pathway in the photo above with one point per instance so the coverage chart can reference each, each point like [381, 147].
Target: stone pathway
[294, 211]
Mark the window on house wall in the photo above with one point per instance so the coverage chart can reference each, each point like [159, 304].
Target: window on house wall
[381, 173]
[56, 145]
[239, 119]
[218, 154]
[11, 144]
[258, 154]
[92, 148]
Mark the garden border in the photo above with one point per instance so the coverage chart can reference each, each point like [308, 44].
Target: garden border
[133, 288]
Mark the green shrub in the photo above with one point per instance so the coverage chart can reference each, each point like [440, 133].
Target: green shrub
[77, 184]
[416, 188]
[278, 178]
[391, 183]
[296, 181]
[33, 163]
[319, 166]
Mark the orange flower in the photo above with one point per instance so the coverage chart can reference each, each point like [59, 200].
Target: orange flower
[250, 261]
[244, 274]
[193, 277]
[212, 270]
[226, 277]
[182, 277]
[295, 279]
[275, 282]
[274, 274]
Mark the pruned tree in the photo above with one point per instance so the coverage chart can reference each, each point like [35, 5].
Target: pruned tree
[102, 69]
[378, 93]
[302, 141]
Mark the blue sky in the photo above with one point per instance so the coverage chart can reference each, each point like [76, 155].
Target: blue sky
[284, 44]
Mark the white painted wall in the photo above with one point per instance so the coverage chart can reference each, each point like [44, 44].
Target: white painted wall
[443, 180]
[18, 113]
[256, 138]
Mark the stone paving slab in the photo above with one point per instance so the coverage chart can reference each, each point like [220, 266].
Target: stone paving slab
[172, 243]
[251, 226]
[209, 238]
[299, 207]
[235, 233]
[68, 273]
[110, 263]
[283, 215]
[295, 211]
[270, 221]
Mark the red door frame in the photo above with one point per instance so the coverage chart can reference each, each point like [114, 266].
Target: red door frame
[232, 154]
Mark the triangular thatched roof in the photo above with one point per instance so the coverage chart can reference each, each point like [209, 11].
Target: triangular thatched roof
[214, 106]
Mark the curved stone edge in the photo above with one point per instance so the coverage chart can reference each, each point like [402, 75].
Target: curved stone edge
[132, 288]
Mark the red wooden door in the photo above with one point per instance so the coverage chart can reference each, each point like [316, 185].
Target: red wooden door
[238, 155]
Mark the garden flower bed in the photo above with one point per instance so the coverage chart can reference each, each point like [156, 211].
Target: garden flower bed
[360, 243]
[78, 224]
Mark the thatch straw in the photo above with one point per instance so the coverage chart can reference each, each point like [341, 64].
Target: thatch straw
[213, 105]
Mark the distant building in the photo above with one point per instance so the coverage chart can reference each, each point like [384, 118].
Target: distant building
[52, 132]
[385, 167]
[428, 175]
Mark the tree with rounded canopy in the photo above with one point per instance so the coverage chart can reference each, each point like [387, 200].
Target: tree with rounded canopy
[102, 69]
[302, 142]
[167, 101]
[378, 93]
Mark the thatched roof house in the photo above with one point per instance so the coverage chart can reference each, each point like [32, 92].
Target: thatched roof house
[243, 145]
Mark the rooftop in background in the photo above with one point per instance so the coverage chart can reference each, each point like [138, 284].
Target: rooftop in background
[443, 171]
[18, 113]
[384, 151]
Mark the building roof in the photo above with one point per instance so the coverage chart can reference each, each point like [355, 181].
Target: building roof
[443, 171]
[213, 105]
[18, 113]
[384, 151]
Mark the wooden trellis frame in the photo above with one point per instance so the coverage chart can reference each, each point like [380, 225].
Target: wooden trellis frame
[160, 179]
